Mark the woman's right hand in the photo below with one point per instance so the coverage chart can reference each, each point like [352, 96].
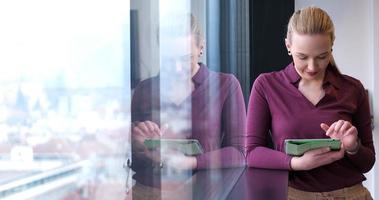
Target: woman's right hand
[144, 130]
[316, 158]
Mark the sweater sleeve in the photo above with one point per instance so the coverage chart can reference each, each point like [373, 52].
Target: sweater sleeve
[258, 127]
[364, 159]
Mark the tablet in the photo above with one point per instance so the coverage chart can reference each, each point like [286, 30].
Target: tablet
[189, 147]
[298, 147]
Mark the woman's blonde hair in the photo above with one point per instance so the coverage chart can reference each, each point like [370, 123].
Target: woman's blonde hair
[176, 27]
[196, 30]
[312, 20]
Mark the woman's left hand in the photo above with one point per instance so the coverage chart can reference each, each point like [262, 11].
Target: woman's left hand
[178, 160]
[344, 131]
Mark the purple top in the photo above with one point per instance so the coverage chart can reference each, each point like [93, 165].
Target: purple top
[276, 105]
[218, 120]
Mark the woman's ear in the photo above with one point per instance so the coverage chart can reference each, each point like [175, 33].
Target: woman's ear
[288, 44]
[202, 47]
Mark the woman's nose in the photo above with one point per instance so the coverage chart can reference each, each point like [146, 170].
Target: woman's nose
[312, 65]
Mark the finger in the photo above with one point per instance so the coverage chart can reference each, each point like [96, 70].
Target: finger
[153, 128]
[156, 127]
[336, 155]
[334, 133]
[351, 131]
[153, 125]
[142, 126]
[331, 157]
[149, 126]
[164, 129]
[346, 125]
[324, 127]
[330, 131]
[319, 151]
[173, 153]
[338, 126]
[137, 131]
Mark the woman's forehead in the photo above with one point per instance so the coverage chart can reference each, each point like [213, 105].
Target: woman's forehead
[311, 42]
[176, 46]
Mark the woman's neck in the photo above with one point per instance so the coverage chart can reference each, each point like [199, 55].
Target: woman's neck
[194, 69]
[313, 83]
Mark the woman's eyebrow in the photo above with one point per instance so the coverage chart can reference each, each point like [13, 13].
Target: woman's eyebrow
[325, 53]
[321, 54]
[300, 54]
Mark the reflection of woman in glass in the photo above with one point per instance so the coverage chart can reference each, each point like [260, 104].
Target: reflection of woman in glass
[310, 98]
[211, 110]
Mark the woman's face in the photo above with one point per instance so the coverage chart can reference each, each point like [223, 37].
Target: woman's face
[197, 49]
[311, 54]
[181, 54]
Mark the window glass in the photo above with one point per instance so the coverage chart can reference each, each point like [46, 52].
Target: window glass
[188, 120]
[64, 99]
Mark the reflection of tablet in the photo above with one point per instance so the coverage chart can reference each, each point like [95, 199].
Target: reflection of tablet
[187, 146]
[298, 147]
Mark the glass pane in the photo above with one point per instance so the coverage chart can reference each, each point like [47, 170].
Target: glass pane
[188, 120]
[65, 99]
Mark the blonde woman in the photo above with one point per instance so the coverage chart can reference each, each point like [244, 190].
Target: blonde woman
[211, 111]
[310, 98]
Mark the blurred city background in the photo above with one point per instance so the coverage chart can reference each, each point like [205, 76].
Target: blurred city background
[64, 99]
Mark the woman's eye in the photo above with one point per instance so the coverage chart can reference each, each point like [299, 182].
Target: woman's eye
[322, 57]
[302, 58]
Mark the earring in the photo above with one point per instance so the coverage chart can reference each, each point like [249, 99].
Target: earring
[201, 53]
[289, 52]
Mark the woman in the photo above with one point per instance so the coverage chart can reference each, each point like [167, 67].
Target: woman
[310, 98]
[206, 105]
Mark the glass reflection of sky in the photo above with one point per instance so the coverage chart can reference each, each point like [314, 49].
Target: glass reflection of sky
[71, 43]
[175, 65]
[65, 87]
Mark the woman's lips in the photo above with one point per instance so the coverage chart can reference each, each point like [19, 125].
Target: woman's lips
[312, 73]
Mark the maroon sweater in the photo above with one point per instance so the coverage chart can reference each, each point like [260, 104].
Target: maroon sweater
[276, 105]
[217, 119]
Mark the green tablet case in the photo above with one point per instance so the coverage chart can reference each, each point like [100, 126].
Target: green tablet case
[187, 146]
[298, 147]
